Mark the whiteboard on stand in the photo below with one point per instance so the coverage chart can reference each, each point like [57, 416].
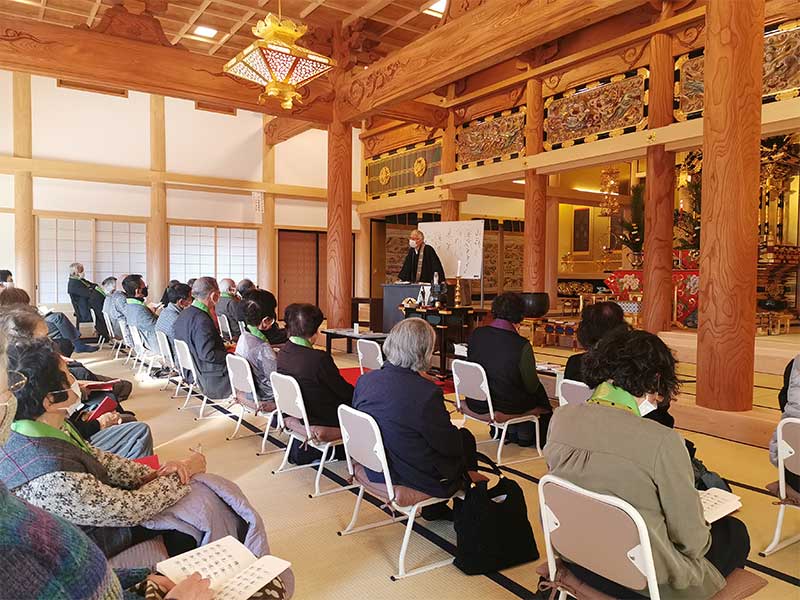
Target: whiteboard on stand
[457, 241]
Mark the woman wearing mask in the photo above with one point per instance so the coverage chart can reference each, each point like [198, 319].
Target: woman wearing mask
[607, 447]
[258, 312]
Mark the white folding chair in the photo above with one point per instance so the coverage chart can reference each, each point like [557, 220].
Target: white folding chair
[146, 357]
[601, 533]
[573, 392]
[370, 355]
[788, 457]
[165, 353]
[245, 396]
[115, 341]
[186, 363]
[101, 340]
[127, 341]
[289, 400]
[225, 327]
[242, 326]
[470, 381]
[364, 448]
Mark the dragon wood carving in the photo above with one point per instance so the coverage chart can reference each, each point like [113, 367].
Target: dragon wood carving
[143, 27]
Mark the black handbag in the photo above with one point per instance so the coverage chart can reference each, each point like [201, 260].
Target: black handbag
[492, 527]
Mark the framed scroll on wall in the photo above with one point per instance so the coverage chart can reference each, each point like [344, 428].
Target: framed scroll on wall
[581, 231]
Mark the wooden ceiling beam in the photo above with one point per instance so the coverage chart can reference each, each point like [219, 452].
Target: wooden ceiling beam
[367, 11]
[281, 129]
[91, 57]
[235, 28]
[486, 35]
[416, 112]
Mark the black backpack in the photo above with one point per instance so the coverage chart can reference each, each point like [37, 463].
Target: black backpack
[492, 527]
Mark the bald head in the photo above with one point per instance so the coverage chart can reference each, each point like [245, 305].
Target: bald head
[206, 290]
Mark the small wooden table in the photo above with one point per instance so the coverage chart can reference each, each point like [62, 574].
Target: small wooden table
[350, 335]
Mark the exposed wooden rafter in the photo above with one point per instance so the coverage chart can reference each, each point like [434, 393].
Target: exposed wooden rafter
[481, 37]
[280, 129]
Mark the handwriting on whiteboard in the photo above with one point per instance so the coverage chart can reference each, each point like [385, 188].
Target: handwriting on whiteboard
[454, 241]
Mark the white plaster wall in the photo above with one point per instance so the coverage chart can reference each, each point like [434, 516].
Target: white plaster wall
[6, 191]
[294, 213]
[494, 206]
[303, 160]
[209, 206]
[88, 197]
[89, 127]
[6, 114]
[7, 241]
[205, 143]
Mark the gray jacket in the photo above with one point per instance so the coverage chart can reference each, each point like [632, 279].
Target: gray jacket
[136, 313]
[792, 407]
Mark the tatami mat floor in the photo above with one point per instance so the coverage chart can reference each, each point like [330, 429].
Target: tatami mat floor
[326, 566]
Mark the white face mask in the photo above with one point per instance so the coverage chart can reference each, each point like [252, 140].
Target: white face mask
[412, 243]
[75, 406]
[646, 406]
[10, 408]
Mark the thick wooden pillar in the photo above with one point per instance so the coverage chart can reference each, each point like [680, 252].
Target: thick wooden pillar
[535, 240]
[24, 223]
[659, 194]
[340, 226]
[267, 236]
[450, 208]
[363, 251]
[734, 57]
[551, 251]
[157, 230]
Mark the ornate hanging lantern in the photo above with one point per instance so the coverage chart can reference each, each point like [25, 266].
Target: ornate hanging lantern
[276, 62]
[609, 186]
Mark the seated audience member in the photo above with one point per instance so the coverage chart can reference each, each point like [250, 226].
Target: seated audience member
[276, 334]
[52, 558]
[6, 279]
[165, 295]
[425, 451]
[137, 313]
[789, 401]
[597, 320]
[179, 297]
[510, 367]
[244, 286]
[117, 306]
[196, 327]
[114, 432]
[86, 295]
[59, 328]
[228, 304]
[107, 496]
[110, 288]
[190, 283]
[605, 446]
[323, 387]
[258, 312]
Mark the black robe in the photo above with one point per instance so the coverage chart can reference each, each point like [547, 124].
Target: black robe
[430, 265]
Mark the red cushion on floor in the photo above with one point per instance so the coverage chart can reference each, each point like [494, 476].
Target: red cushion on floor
[351, 375]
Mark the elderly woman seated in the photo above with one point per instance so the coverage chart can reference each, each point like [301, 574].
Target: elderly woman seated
[605, 446]
[789, 402]
[109, 497]
[425, 451]
[510, 367]
[258, 310]
[321, 384]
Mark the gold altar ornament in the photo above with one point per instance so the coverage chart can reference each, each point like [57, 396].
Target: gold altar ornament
[385, 175]
[276, 62]
[420, 166]
[609, 186]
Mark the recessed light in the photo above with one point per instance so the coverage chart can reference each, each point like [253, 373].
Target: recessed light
[436, 9]
[203, 31]
[519, 181]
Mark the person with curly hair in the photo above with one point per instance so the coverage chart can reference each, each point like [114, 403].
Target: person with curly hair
[596, 321]
[606, 447]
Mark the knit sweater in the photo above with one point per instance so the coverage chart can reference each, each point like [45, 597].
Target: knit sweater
[46, 557]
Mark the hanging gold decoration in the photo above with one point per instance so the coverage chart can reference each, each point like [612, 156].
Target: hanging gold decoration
[609, 187]
[276, 62]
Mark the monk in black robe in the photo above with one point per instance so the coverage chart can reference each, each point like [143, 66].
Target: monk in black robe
[421, 261]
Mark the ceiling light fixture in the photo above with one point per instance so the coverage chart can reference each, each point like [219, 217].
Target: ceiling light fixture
[519, 181]
[436, 9]
[206, 32]
[276, 62]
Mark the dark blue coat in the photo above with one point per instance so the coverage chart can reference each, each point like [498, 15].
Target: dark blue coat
[424, 449]
[196, 327]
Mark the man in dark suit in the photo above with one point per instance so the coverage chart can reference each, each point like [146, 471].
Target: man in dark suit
[323, 387]
[425, 450]
[421, 261]
[196, 326]
[86, 295]
[228, 304]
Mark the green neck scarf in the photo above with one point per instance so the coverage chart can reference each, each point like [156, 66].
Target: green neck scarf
[607, 394]
[295, 339]
[101, 290]
[257, 332]
[201, 306]
[225, 295]
[37, 429]
[135, 301]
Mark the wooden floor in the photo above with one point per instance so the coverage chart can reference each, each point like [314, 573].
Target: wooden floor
[327, 566]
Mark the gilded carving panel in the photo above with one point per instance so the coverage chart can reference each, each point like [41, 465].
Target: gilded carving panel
[497, 136]
[512, 262]
[781, 71]
[410, 168]
[491, 252]
[601, 109]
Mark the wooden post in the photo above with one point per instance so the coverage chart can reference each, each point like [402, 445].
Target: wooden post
[24, 223]
[157, 230]
[535, 240]
[551, 251]
[659, 194]
[363, 250]
[267, 236]
[340, 226]
[450, 208]
[734, 57]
